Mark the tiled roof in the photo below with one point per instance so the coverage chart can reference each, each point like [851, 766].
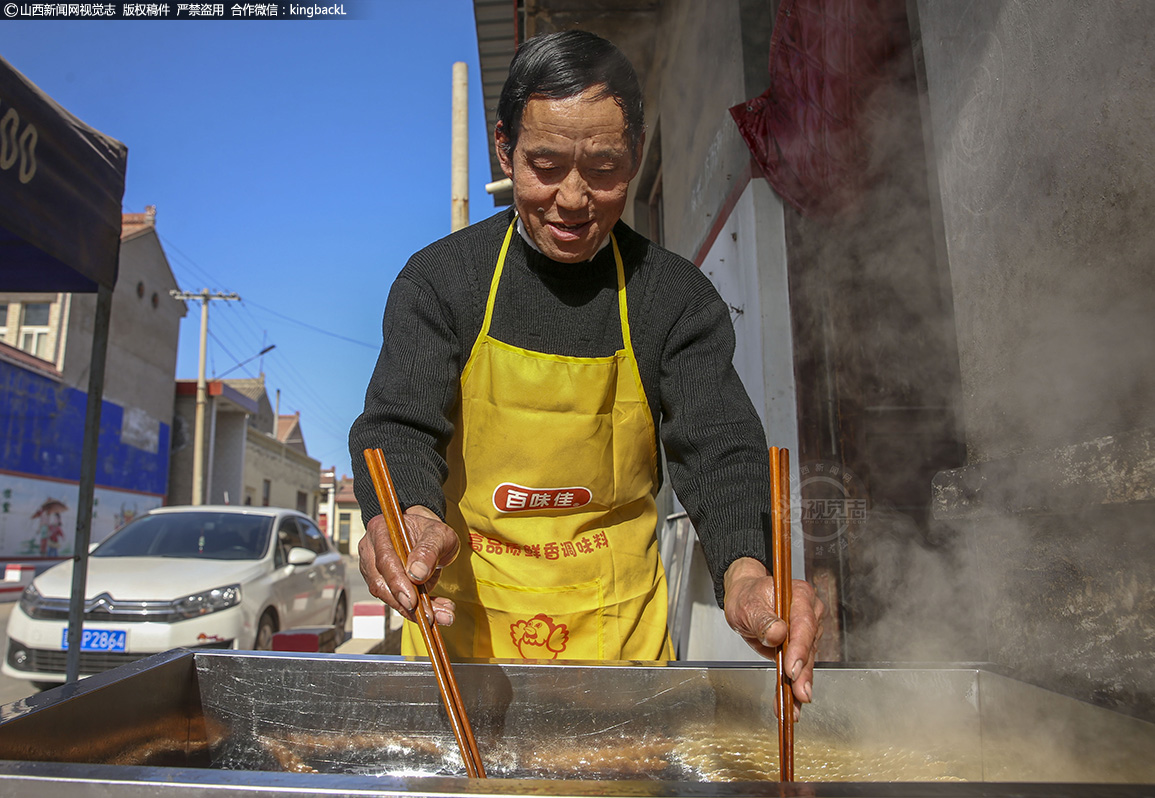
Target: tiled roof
[134, 223]
[289, 432]
[345, 491]
[22, 358]
[287, 425]
[253, 387]
[222, 388]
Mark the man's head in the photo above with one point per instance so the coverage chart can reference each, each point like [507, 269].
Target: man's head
[569, 134]
[565, 64]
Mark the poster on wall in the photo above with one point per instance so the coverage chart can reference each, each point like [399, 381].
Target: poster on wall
[38, 516]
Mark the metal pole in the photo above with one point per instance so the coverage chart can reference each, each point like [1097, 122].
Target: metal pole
[87, 481]
[459, 206]
[198, 485]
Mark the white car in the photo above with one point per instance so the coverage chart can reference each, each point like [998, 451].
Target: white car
[217, 577]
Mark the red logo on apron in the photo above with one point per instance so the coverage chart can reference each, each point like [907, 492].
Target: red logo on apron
[511, 498]
[539, 637]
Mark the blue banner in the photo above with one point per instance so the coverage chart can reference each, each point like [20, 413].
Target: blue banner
[42, 430]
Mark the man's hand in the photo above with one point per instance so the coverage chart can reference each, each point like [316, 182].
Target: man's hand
[749, 597]
[435, 545]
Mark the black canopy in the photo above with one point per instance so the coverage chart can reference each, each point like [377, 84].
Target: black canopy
[61, 184]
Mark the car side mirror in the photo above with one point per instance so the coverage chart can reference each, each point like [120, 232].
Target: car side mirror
[301, 556]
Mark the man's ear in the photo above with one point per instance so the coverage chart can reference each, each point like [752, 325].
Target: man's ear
[501, 143]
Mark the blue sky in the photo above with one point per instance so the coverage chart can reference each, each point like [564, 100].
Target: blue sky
[298, 164]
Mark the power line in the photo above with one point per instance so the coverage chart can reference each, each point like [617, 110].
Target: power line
[247, 320]
[311, 327]
[319, 413]
[281, 369]
[301, 384]
[193, 265]
[246, 327]
[240, 331]
[224, 349]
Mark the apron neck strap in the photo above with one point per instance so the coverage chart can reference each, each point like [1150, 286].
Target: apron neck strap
[618, 266]
[623, 313]
[496, 278]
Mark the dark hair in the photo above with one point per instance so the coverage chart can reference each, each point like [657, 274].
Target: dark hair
[560, 65]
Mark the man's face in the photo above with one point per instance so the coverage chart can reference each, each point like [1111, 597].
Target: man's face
[570, 170]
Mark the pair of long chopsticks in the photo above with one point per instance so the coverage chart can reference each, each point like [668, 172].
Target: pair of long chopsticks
[780, 528]
[442, 669]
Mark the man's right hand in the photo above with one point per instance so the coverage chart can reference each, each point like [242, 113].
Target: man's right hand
[435, 545]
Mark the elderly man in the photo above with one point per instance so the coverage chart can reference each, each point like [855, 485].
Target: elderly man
[530, 363]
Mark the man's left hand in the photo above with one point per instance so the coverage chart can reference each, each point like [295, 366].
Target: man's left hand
[749, 599]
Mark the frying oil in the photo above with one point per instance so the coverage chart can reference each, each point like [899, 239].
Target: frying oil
[703, 757]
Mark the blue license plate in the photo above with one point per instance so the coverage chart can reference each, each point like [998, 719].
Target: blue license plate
[98, 640]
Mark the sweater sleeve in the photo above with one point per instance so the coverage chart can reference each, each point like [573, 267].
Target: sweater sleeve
[410, 399]
[714, 441]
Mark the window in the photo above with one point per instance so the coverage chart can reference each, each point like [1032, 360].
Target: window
[314, 540]
[266, 490]
[3, 320]
[302, 502]
[199, 534]
[288, 537]
[34, 329]
[342, 539]
[649, 206]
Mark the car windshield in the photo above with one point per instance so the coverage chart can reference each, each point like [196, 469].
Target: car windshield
[197, 535]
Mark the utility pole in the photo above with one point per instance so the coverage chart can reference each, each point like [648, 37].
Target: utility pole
[198, 486]
[459, 201]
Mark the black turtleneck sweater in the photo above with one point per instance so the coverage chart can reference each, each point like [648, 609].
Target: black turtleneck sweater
[683, 340]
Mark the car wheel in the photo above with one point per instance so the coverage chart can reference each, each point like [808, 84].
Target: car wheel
[265, 631]
[341, 617]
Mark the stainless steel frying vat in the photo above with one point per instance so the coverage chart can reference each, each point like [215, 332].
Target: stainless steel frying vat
[225, 723]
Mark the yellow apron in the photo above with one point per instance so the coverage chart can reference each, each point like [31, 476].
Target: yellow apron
[552, 475]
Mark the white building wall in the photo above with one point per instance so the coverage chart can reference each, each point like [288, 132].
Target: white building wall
[288, 471]
[709, 57]
[228, 459]
[747, 264]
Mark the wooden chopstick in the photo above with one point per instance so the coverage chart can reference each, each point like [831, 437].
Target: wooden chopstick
[442, 668]
[781, 555]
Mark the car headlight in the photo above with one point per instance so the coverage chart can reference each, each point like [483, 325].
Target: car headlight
[198, 604]
[31, 601]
